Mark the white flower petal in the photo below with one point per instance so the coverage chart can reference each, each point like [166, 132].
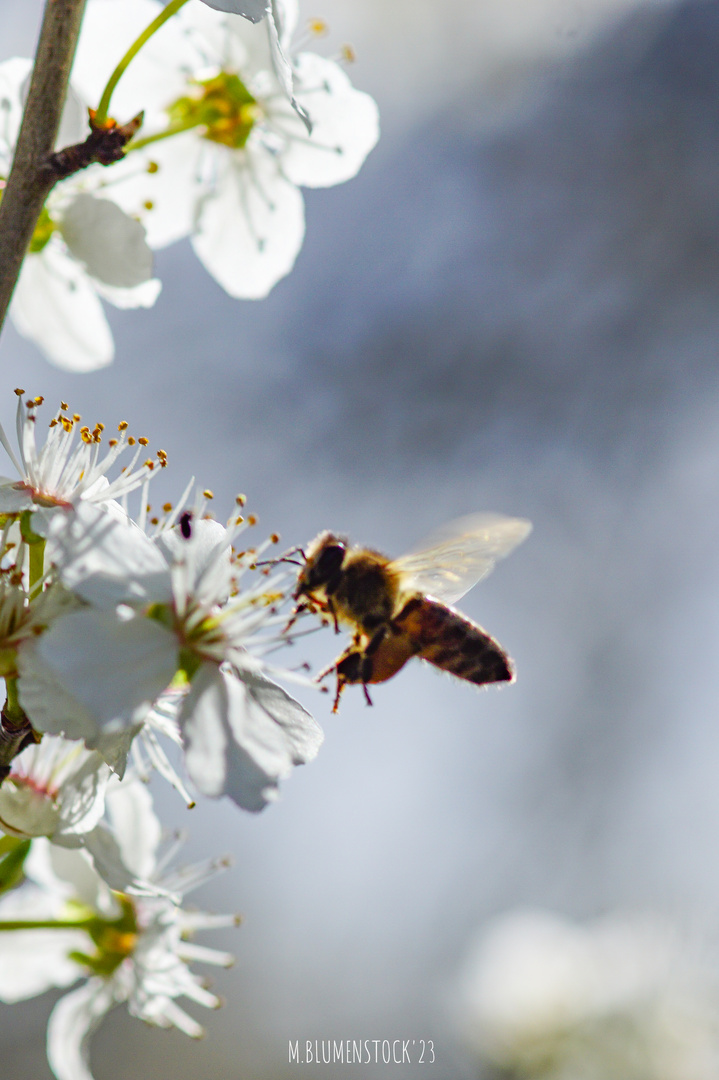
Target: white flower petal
[14, 497]
[158, 185]
[14, 74]
[345, 125]
[71, 1024]
[56, 307]
[207, 555]
[55, 787]
[92, 674]
[254, 10]
[74, 125]
[232, 746]
[303, 734]
[136, 825]
[69, 873]
[143, 295]
[107, 560]
[277, 32]
[109, 244]
[251, 226]
[33, 961]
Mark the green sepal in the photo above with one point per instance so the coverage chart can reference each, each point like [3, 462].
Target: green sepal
[8, 662]
[26, 529]
[13, 853]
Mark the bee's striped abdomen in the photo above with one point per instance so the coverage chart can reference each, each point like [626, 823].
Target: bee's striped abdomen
[453, 642]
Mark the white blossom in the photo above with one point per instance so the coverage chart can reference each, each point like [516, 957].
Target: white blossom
[230, 175]
[56, 789]
[129, 947]
[84, 249]
[69, 467]
[158, 609]
[623, 998]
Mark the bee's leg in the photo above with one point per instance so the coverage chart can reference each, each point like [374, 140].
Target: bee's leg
[333, 613]
[299, 608]
[366, 664]
[341, 683]
[328, 670]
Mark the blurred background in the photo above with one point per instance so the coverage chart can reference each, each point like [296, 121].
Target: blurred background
[513, 307]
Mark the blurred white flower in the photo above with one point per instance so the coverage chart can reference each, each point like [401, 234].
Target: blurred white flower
[229, 174]
[620, 998]
[84, 249]
[68, 468]
[56, 789]
[159, 610]
[131, 947]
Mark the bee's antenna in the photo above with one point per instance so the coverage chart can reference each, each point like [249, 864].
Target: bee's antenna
[286, 558]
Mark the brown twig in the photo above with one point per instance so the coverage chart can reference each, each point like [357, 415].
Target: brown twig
[30, 179]
[104, 145]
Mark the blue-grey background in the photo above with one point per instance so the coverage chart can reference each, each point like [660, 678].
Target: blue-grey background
[514, 307]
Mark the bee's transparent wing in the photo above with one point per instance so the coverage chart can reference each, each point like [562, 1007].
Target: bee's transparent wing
[448, 562]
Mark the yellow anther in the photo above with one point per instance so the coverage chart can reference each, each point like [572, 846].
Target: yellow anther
[123, 425]
[148, 204]
[274, 538]
[318, 27]
[64, 406]
[348, 54]
[53, 423]
[19, 392]
[113, 442]
[152, 167]
[154, 521]
[39, 400]
[240, 500]
[239, 520]
[76, 417]
[208, 494]
[149, 464]
[99, 426]
[251, 519]
[131, 440]
[167, 507]
[143, 441]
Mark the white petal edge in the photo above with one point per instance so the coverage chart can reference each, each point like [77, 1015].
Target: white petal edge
[56, 307]
[251, 227]
[72, 1022]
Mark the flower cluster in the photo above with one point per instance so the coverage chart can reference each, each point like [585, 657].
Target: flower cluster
[621, 998]
[233, 125]
[117, 635]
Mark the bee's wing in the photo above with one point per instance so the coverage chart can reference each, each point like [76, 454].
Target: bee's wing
[448, 562]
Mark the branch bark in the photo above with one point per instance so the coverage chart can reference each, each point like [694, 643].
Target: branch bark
[31, 178]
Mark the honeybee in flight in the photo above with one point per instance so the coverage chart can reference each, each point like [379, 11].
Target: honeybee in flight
[400, 608]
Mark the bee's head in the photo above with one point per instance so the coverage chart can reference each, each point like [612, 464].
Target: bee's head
[323, 562]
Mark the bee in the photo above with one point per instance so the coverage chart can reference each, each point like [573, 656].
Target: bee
[400, 608]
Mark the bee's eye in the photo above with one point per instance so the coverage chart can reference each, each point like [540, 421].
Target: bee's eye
[328, 562]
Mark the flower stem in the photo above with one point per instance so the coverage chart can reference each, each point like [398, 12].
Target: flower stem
[176, 129]
[30, 179]
[37, 562]
[48, 924]
[13, 711]
[166, 13]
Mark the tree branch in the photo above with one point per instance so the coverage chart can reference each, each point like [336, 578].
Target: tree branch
[31, 179]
